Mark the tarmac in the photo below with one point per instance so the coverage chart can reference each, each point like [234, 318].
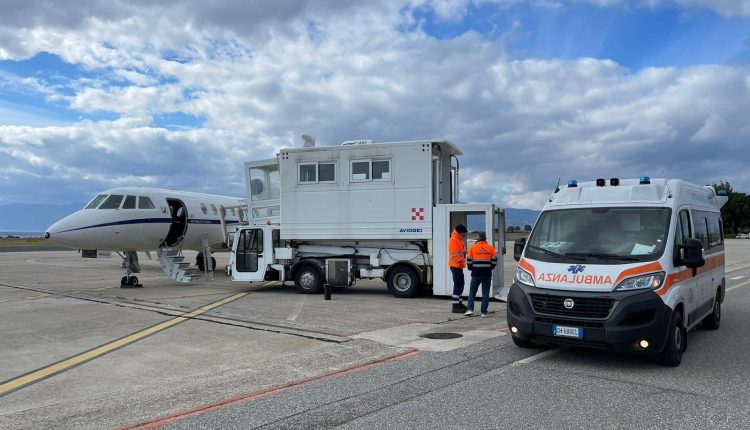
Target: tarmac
[79, 351]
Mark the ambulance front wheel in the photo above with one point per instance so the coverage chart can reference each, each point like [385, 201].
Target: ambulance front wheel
[676, 342]
[403, 281]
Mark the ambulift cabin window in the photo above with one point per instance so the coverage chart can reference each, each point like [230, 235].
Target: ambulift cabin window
[313, 173]
[371, 170]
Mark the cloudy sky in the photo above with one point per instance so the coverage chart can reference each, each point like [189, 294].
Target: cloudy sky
[178, 94]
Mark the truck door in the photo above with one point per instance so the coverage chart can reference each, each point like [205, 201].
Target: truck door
[248, 261]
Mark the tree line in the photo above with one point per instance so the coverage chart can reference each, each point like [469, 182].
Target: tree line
[735, 215]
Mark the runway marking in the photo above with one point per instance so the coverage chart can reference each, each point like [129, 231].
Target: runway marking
[256, 395]
[744, 284]
[300, 303]
[541, 355]
[734, 278]
[35, 376]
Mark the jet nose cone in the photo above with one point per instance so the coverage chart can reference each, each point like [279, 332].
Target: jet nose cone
[64, 232]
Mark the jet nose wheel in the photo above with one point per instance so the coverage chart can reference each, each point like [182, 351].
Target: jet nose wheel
[130, 282]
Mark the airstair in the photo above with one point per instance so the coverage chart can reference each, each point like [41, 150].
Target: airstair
[174, 265]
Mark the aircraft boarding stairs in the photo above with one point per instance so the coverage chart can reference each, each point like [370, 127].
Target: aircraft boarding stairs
[174, 265]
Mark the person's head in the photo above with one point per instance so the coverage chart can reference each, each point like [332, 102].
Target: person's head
[461, 229]
[482, 236]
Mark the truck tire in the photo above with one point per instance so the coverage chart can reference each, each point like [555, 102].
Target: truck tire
[672, 353]
[713, 321]
[308, 279]
[403, 281]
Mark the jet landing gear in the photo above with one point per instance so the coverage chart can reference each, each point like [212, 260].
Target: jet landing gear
[201, 262]
[130, 264]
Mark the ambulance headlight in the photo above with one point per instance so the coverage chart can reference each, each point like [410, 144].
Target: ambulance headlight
[653, 281]
[524, 277]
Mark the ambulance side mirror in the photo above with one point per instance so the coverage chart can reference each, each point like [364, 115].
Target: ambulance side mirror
[518, 248]
[691, 253]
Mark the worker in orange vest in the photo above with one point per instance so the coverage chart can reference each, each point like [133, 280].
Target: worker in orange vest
[481, 259]
[457, 263]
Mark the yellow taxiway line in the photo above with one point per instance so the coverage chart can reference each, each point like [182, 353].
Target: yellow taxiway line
[61, 366]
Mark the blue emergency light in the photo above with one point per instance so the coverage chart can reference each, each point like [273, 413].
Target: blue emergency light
[645, 180]
[572, 183]
[722, 192]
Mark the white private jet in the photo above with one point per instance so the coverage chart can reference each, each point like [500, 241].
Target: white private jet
[127, 220]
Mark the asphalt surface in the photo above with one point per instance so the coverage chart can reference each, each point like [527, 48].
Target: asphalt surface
[494, 384]
[223, 354]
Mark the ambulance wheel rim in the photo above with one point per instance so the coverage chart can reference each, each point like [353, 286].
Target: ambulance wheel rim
[678, 338]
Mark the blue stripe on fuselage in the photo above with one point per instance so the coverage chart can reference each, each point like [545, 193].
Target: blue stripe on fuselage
[149, 221]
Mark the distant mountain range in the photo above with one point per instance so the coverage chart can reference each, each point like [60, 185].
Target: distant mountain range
[37, 217]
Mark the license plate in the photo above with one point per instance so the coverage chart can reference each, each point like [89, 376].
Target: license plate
[564, 331]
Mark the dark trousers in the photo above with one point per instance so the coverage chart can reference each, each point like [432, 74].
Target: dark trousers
[473, 287]
[458, 284]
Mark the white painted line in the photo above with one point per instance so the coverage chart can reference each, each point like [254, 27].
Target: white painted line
[539, 356]
[744, 284]
[738, 277]
[293, 316]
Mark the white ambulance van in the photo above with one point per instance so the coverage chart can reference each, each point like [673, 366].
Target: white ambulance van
[631, 265]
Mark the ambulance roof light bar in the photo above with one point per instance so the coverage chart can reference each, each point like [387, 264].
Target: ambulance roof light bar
[572, 183]
[645, 180]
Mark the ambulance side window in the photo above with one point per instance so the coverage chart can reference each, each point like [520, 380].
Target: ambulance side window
[681, 235]
[683, 228]
[700, 223]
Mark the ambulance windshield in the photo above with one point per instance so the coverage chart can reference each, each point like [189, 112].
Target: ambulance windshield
[600, 235]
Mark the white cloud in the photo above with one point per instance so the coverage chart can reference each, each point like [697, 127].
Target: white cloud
[260, 74]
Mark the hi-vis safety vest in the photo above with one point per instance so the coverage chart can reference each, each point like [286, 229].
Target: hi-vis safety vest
[456, 251]
[482, 259]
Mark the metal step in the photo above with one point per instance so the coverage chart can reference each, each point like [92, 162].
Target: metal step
[173, 264]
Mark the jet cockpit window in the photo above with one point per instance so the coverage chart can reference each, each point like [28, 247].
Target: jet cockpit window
[97, 200]
[213, 208]
[129, 202]
[204, 209]
[145, 203]
[112, 202]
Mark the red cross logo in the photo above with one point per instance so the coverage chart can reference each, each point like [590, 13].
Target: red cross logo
[417, 214]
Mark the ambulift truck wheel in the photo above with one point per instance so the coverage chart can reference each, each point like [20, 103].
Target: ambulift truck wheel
[672, 353]
[308, 280]
[403, 281]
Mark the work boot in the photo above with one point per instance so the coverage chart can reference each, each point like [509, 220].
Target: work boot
[459, 308]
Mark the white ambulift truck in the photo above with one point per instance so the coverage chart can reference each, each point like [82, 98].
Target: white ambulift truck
[363, 210]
